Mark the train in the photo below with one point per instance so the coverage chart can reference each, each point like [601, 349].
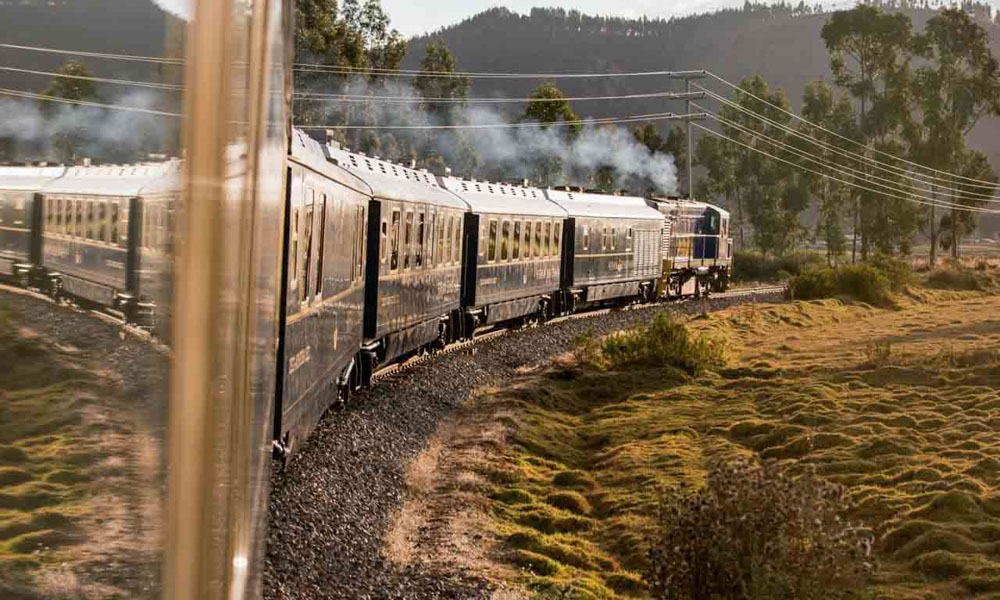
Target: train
[380, 260]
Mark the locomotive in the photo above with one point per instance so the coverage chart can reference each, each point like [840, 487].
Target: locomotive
[380, 260]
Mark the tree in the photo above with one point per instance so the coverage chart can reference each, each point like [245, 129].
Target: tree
[766, 194]
[676, 145]
[834, 114]
[71, 133]
[548, 105]
[958, 85]
[439, 60]
[355, 37]
[869, 56]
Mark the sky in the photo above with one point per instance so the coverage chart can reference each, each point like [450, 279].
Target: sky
[411, 17]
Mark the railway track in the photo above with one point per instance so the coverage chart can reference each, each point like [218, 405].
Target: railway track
[488, 335]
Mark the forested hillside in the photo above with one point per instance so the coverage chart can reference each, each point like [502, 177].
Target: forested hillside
[780, 43]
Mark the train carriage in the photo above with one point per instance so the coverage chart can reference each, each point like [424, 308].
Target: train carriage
[19, 216]
[512, 252]
[611, 247]
[413, 279]
[321, 323]
[103, 227]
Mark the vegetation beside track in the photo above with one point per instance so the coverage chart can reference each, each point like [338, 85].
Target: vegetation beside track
[898, 405]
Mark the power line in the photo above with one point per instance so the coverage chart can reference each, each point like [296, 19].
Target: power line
[913, 199]
[104, 55]
[984, 184]
[371, 97]
[481, 100]
[848, 171]
[128, 82]
[599, 121]
[867, 161]
[87, 103]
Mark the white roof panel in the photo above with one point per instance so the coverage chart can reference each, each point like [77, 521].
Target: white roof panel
[486, 197]
[394, 182]
[28, 178]
[584, 204]
[118, 180]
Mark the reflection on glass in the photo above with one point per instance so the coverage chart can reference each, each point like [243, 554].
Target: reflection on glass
[106, 488]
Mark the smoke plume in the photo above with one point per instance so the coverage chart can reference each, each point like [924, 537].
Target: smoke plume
[486, 149]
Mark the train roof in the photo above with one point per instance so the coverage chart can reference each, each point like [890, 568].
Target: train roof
[588, 204]
[118, 180]
[675, 205]
[394, 182]
[28, 178]
[487, 197]
[309, 152]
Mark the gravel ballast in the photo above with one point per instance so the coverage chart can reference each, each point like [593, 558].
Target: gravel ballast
[332, 505]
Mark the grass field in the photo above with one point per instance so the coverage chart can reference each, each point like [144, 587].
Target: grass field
[898, 404]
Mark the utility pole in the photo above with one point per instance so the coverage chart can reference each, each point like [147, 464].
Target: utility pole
[687, 76]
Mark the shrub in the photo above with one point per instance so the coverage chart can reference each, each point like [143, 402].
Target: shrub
[955, 279]
[753, 266]
[862, 282]
[664, 343]
[754, 532]
[898, 272]
[878, 353]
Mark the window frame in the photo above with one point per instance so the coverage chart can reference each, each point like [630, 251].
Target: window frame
[516, 240]
[505, 240]
[395, 216]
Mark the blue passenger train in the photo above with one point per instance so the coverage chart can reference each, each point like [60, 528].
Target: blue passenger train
[380, 260]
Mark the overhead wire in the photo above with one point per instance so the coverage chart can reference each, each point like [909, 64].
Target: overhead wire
[597, 121]
[87, 103]
[868, 162]
[982, 183]
[910, 198]
[842, 169]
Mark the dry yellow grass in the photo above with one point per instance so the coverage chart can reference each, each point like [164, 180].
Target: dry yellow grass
[900, 405]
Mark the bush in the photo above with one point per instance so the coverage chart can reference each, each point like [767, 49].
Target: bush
[862, 282]
[753, 266]
[664, 343]
[754, 532]
[898, 272]
[958, 278]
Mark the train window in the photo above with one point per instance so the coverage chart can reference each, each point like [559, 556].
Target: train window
[89, 220]
[49, 212]
[493, 241]
[516, 251]
[294, 254]
[307, 243]
[114, 222]
[382, 241]
[80, 232]
[614, 238]
[556, 238]
[482, 240]
[456, 256]
[586, 237]
[504, 240]
[102, 220]
[628, 239]
[442, 259]
[359, 261]
[538, 239]
[449, 232]
[604, 238]
[56, 209]
[431, 224]
[548, 238]
[418, 258]
[408, 239]
[322, 244]
[394, 254]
